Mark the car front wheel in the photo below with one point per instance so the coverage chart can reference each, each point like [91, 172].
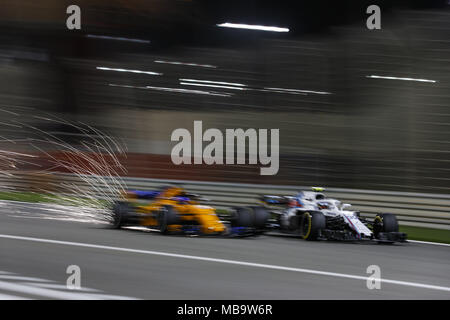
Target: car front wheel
[311, 225]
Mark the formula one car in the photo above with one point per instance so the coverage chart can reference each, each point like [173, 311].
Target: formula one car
[174, 211]
[313, 216]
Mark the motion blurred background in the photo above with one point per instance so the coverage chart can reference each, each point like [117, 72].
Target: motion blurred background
[339, 125]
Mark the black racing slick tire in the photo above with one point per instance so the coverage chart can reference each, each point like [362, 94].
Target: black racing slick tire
[243, 218]
[261, 215]
[385, 222]
[250, 217]
[120, 213]
[311, 225]
[166, 216]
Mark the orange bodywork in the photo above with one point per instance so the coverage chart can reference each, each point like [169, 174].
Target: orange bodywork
[189, 212]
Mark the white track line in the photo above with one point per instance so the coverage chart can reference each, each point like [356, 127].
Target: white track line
[60, 287]
[21, 278]
[433, 243]
[30, 289]
[226, 261]
[42, 292]
[11, 297]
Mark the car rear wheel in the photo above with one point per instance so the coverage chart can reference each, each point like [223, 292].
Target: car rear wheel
[261, 215]
[120, 212]
[250, 217]
[311, 225]
[242, 218]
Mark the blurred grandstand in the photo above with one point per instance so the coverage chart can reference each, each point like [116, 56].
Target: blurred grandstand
[339, 125]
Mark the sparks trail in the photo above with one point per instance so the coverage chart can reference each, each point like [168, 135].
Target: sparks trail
[93, 160]
[10, 160]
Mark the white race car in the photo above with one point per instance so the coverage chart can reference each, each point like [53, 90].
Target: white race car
[313, 216]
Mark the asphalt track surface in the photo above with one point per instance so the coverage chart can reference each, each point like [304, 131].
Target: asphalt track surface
[38, 243]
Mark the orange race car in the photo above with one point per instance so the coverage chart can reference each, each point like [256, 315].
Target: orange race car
[173, 210]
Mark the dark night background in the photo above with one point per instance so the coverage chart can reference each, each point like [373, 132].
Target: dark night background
[367, 133]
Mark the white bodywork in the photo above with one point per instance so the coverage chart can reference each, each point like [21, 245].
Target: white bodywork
[316, 201]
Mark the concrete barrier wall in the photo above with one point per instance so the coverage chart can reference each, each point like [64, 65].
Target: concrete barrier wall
[415, 209]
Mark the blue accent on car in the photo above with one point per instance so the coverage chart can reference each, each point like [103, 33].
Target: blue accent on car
[190, 228]
[182, 199]
[148, 195]
[238, 230]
